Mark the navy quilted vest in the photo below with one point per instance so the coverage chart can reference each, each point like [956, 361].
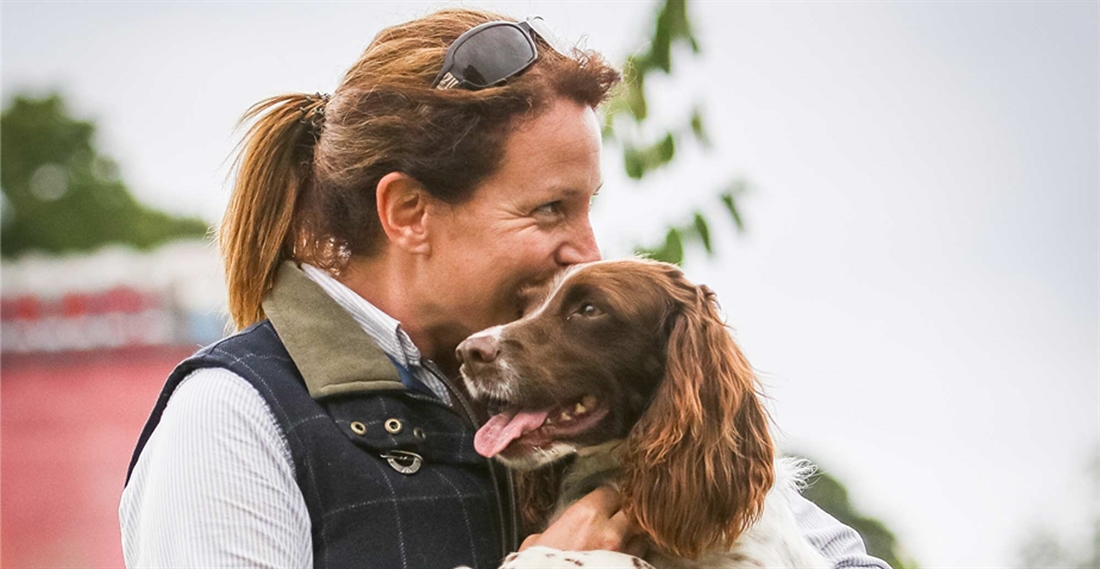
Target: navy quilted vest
[366, 508]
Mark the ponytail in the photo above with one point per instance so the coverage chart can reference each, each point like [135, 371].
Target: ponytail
[274, 164]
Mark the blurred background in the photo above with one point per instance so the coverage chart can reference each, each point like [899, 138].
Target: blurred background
[897, 204]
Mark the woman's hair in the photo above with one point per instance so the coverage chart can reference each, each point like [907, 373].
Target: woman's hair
[308, 166]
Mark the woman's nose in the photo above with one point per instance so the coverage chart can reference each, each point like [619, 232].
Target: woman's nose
[581, 247]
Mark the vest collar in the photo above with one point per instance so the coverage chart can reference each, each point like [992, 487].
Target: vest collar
[334, 355]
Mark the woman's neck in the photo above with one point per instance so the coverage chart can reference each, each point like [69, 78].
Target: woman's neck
[388, 289]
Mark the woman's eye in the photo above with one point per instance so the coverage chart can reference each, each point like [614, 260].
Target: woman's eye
[552, 209]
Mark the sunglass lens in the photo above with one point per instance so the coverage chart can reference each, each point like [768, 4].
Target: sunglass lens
[493, 54]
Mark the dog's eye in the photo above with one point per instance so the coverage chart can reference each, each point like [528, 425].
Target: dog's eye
[588, 309]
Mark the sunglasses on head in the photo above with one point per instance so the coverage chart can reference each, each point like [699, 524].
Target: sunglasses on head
[491, 53]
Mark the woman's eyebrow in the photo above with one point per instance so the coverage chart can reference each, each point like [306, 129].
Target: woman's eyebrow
[572, 191]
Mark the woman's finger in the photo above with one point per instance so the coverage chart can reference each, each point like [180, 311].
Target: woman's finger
[531, 540]
[604, 500]
[622, 529]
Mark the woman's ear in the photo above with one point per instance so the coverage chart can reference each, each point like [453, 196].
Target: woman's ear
[402, 207]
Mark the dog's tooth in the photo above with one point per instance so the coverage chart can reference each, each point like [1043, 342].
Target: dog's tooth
[579, 409]
[565, 416]
[589, 400]
[549, 421]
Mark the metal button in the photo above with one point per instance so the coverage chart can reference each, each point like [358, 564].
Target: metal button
[358, 428]
[403, 461]
[393, 426]
[419, 433]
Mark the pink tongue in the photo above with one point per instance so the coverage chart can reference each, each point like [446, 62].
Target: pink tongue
[500, 430]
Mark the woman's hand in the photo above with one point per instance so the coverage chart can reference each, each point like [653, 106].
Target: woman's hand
[593, 522]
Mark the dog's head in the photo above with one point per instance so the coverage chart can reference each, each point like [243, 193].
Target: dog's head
[578, 369]
[631, 350]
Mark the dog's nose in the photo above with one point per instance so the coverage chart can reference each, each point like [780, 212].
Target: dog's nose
[479, 348]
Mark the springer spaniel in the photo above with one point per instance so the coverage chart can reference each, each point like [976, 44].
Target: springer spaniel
[627, 368]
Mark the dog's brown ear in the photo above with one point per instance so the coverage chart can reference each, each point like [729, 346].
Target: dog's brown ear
[697, 466]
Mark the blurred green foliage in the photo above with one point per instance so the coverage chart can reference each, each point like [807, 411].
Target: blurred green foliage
[627, 119]
[61, 195]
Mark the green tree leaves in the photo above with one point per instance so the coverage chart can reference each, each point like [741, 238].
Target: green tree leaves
[627, 124]
[61, 195]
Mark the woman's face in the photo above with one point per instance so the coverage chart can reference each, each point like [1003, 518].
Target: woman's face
[522, 224]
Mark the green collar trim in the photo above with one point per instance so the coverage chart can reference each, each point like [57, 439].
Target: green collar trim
[335, 355]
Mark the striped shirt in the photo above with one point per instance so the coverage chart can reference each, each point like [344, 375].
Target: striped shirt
[215, 485]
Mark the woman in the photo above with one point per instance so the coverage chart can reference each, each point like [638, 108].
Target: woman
[418, 210]
[368, 233]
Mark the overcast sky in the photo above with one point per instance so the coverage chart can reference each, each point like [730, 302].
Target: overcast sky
[920, 284]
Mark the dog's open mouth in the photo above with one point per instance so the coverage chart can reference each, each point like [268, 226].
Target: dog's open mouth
[516, 429]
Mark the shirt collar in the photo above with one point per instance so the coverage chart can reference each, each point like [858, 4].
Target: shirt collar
[381, 327]
[334, 355]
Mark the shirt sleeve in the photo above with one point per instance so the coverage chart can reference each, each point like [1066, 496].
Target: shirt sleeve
[215, 486]
[840, 544]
